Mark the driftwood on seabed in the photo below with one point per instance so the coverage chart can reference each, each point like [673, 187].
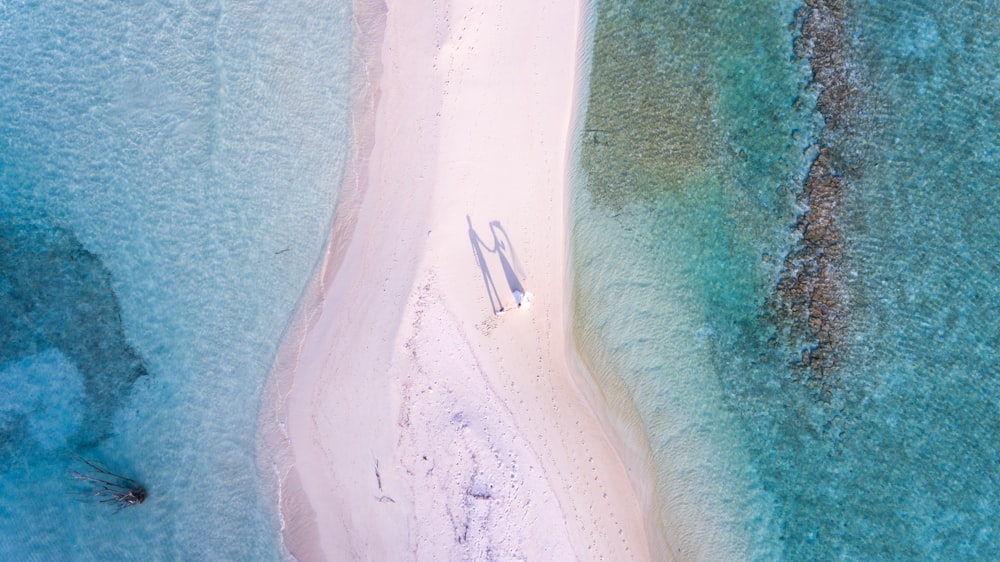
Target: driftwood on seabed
[110, 487]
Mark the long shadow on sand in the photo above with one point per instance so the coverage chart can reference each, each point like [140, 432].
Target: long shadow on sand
[511, 267]
[502, 247]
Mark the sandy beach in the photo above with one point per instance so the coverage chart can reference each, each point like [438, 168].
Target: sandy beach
[406, 419]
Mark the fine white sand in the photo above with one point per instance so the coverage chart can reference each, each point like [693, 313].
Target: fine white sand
[404, 419]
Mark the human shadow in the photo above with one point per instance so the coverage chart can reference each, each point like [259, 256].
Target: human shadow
[477, 250]
[512, 270]
[511, 266]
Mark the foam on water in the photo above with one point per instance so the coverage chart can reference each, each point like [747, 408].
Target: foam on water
[167, 179]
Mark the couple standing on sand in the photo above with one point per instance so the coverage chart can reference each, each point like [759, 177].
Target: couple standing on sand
[523, 300]
[511, 267]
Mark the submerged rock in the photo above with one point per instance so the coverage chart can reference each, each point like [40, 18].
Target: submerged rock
[811, 295]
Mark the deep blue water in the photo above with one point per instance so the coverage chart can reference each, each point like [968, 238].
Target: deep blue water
[702, 123]
[168, 173]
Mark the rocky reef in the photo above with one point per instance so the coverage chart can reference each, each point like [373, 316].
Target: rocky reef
[812, 297]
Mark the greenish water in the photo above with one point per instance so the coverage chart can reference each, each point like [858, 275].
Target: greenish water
[701, 125]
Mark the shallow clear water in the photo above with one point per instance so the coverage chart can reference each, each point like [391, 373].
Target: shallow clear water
[167, 178]
[696, 141]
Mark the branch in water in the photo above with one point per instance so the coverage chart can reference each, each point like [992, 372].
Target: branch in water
[111, 487]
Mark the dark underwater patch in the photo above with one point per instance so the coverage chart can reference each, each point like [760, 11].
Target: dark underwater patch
[811, 296]
[54, 294]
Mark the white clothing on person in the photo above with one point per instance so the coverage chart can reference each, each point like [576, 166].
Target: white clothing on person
[523, 300]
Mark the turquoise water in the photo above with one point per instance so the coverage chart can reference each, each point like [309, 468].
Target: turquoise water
[168, 173]
[701, 125]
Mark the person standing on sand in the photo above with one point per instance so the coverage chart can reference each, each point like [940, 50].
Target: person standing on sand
[523, 300]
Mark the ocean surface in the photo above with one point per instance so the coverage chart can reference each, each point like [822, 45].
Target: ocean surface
[168, 174]
[814, 363]
[796, 292]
